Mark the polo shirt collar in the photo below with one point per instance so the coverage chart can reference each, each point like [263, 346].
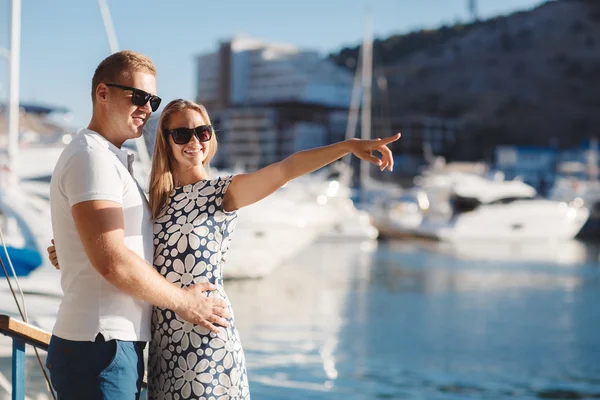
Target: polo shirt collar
[126, 157]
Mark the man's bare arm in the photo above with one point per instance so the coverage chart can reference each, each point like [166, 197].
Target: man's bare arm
[101, 228]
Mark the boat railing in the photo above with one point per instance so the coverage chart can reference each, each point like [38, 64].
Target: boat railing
[23, 334]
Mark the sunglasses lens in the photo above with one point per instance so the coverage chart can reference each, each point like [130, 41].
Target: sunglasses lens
[181, 136]
[204, 133]
[139, 98]
[154, 103]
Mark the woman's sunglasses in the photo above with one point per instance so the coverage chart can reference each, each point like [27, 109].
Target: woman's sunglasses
[139, 97]
[184, 135]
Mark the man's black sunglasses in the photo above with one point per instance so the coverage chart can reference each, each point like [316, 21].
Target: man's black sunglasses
[184, 135]
[139, 97]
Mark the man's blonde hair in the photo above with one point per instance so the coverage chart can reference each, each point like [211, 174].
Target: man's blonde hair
[120, 65]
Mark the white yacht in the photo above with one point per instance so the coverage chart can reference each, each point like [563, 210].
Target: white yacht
[399, 213]
[351, 224]
[24, 198]
[398, 216]
[339, 218]
[268, 233]
[578, 182]
[278, 227]
[483, 208]
[452, 202]
[27, 230]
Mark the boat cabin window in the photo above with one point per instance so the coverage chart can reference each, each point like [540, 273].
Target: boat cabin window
[507, 200]
[41, 178]
[464, 204]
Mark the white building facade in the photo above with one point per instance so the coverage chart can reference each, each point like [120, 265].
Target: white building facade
[270, 100]
[247, 71]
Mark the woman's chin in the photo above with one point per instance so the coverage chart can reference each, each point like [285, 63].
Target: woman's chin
[194, 161]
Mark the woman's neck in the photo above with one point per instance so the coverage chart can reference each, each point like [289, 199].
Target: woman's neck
[188, 175]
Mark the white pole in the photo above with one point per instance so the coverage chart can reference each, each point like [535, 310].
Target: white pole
[367, 77]
[108, 27]
[354, 100]
[111, 35]
[13, 87]
[593, 159]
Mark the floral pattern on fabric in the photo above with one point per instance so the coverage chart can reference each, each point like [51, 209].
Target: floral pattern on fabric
[191, 239]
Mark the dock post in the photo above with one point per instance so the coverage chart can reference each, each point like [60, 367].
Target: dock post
[18, 369]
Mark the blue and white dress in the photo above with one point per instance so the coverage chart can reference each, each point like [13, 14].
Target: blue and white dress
[191, 239]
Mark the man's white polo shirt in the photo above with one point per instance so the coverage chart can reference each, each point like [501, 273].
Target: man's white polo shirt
[92, 168]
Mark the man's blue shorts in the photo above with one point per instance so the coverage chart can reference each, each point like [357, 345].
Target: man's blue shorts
[98, 370]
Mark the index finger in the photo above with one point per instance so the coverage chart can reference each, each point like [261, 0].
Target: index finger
[390, 139]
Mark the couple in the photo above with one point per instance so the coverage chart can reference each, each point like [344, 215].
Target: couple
[120, 254]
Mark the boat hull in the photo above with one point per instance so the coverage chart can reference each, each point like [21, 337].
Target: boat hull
[526, 219]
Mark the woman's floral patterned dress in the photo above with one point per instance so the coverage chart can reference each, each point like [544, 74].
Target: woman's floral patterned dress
[191, 239]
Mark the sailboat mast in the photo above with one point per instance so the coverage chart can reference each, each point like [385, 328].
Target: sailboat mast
[108, 26]
[367, 79]
[13, 86]
[355, 100]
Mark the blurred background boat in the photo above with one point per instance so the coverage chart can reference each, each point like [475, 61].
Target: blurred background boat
[446, 204]
[578, 181]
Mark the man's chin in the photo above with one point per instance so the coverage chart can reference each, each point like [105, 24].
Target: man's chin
[138, 131]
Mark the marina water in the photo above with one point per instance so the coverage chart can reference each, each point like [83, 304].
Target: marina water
[420, 320]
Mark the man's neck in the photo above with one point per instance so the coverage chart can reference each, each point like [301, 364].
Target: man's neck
[104, 131]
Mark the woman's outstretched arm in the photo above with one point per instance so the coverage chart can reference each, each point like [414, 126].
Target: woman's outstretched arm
[246, 189]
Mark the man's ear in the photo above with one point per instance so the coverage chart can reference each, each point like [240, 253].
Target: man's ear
[101, 93]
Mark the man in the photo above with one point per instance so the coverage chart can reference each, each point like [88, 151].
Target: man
[104, 243]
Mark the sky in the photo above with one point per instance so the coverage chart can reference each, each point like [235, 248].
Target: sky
[62, 41]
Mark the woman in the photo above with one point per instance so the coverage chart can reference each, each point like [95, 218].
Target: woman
[195, 217]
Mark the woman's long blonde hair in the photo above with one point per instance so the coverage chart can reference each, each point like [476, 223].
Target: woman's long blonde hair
[161, 175]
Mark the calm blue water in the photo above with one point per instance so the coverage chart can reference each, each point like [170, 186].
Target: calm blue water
[418, 320]
[421, 320]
